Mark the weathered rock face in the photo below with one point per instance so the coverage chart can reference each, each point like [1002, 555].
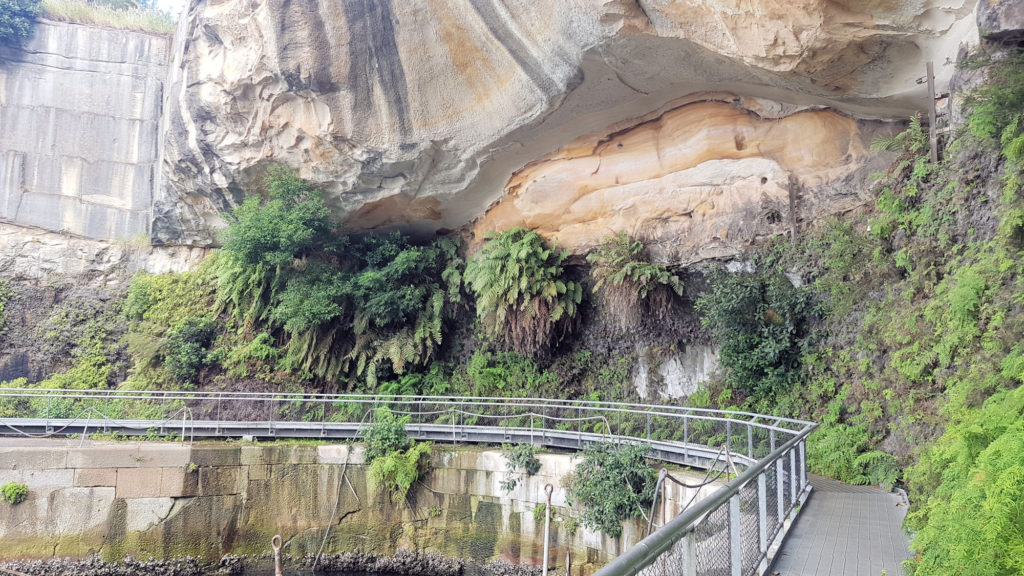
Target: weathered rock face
[417, 113]
[79, 130]
[1001, 20]
[698, 181]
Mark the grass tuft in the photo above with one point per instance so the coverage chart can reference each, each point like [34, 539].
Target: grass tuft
[78, 12]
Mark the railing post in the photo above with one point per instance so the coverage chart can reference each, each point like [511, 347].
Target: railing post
[750, 441]
[793, 477]
[803, 464]
[735, 536]
[762, 513]
[686, 438]
[728, 434]
[648, 426]
[780, 488]
[689, 555]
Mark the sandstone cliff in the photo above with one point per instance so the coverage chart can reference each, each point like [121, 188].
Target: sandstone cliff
[418, 113]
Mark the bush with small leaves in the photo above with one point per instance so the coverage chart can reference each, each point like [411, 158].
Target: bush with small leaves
[613, 483]
[14, 493]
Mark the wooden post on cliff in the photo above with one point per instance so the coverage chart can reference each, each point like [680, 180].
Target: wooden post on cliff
[794, 189]
[933, 135]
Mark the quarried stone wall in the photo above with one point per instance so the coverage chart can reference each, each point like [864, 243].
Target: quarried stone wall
[169, 499]
[80, 114]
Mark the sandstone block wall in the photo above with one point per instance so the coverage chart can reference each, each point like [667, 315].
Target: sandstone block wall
[210, 499]
[79, 130]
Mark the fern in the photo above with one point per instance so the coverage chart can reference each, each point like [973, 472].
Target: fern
[521, 293]
[628, 280]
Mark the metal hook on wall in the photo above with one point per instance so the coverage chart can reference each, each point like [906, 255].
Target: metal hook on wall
[276, 543]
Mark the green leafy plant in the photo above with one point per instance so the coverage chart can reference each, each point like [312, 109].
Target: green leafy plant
[14, 493]
[522, 294]
[612, 483]
[629, 282]
[186, 350]
[16, 19]
[386, 434]
[521, 458]
[760, 322]
[396, 472]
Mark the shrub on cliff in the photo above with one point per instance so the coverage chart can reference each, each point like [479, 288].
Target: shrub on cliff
[14, 493]
[612, 483]
[760, 322]
[522, 294]
[628, 282]
[346, 305]
[16, 18]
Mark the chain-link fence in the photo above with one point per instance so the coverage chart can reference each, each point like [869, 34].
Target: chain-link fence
[734, 531]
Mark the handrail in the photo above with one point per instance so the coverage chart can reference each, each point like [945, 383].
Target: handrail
[645, 552]
[622, 407]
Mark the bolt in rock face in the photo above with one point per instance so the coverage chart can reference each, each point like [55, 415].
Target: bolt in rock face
[417, 113]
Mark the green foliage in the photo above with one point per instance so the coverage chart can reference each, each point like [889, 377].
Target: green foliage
[509, 374]
[385, 435]
[625, 277]
[347, 306]
[521, 458]
[16, 19]
[14, 493]
[118, 14]
[760, 322]
[612, 483]
[396, 461]
[397, 471]
[995, 105]
[186, 351]
[540, 512]
[5, 295]
[972, 520]
[522, 295]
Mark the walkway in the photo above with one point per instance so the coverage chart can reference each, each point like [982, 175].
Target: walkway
[846, 531]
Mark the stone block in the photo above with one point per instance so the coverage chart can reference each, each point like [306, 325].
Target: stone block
[173, 482]
[34, 458]
[64, 478]
[219, 480]
[144, 513]
[338, 453]
[217, 455]
[259, 472]
[279, 454]
[87, 477]
[137, 482]
[104, 456]
[164, 455]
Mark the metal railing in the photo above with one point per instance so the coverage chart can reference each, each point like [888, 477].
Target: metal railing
[733, 532]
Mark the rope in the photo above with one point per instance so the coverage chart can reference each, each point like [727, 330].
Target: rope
[334, 514]
[707, 480]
